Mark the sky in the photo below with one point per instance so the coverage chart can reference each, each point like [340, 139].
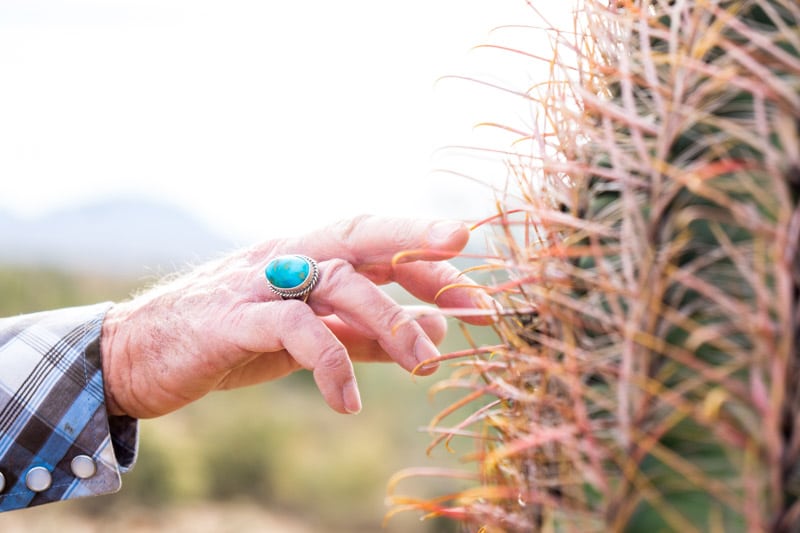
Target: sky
[262, 118]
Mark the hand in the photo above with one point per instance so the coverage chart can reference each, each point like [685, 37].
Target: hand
[221, 327]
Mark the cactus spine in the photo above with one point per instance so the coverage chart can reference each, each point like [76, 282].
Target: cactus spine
[647, 376]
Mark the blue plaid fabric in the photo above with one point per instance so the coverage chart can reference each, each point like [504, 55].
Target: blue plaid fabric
[52, 407]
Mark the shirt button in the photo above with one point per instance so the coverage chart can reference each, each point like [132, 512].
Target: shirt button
[2, 482]
[83, 466]
[38, 479]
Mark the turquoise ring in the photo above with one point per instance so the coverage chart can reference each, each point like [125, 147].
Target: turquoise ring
[292, 276]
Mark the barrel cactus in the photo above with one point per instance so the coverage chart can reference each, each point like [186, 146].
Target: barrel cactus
[647, 284]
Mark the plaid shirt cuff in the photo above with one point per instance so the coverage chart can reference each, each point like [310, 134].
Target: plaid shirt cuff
[56, 440]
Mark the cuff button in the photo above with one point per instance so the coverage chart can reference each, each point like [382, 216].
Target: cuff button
[83, 467]
[38, 479]
[2, 482]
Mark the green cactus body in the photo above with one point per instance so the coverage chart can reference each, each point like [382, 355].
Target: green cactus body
[647, 377]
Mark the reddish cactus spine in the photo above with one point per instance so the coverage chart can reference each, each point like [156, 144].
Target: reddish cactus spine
[647, 376]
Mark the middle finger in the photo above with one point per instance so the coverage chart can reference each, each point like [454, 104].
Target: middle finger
[361, 304]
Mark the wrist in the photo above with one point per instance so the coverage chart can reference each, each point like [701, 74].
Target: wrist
[113, 354]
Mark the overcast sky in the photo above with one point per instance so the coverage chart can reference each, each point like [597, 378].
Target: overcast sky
[265, 118]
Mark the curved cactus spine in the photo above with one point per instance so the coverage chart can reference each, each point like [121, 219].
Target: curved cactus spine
[648, 376]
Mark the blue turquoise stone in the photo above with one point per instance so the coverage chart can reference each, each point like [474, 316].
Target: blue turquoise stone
[288, 272]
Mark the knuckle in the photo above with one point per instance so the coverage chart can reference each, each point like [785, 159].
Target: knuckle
[404, 235]
[292, 313]
[332, 358]
[336, 270]
[394, 316]
[349, 229]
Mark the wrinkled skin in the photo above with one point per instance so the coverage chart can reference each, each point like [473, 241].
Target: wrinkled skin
[221, 327]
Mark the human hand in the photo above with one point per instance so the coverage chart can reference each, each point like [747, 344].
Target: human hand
[221, 326]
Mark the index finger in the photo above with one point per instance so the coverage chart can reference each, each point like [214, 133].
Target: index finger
[371, 240]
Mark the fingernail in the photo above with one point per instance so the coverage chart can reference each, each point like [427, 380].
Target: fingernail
[430, 368]
[425, 350]
[352, 398]
[444, 230]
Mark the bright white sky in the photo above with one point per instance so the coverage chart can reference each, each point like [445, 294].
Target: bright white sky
[265, 118]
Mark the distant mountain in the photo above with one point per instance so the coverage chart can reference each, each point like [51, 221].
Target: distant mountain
[123, 236]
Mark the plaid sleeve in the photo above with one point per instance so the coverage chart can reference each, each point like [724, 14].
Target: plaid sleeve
[56, 440]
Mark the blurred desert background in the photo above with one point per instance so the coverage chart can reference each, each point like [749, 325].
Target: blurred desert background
[266, 458]
[140, 137]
